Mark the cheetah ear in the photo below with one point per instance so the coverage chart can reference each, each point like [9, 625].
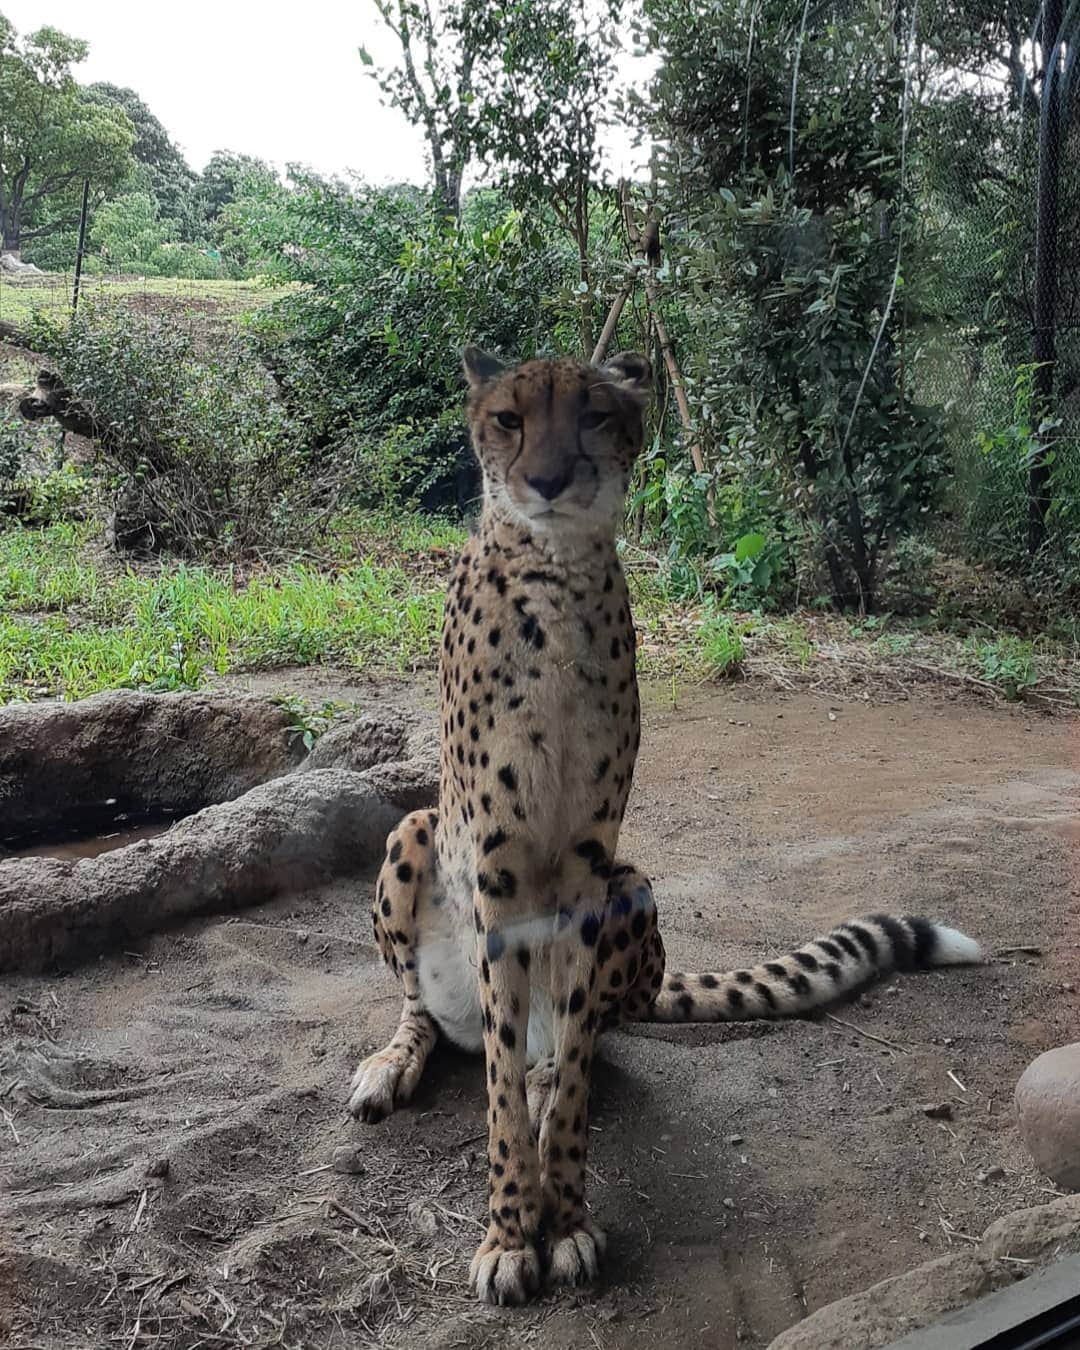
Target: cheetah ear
[479, 366]
[631, 372]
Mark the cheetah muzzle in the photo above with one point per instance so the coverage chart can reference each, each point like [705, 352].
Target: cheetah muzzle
[506, 915]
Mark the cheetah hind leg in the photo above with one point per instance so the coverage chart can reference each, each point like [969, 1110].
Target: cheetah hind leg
[389, 1077]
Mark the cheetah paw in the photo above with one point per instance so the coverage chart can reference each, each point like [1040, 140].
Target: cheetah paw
[504, 1275]
[575, 1259]
[380, 1083]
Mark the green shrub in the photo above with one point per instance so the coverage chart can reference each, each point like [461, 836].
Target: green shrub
[194, 448]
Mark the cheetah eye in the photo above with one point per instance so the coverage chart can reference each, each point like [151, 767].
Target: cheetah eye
[590, 421]
[509, 421]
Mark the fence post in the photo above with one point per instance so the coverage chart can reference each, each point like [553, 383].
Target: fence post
[1046, 269]
[81, 248]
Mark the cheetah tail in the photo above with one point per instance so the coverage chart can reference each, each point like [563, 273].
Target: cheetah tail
[817, 974]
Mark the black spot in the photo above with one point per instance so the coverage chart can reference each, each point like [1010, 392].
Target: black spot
[622, 939]
[766, 995]
[595, 855]
[603, 951]
[508, 777]
[602, 767]
[494, 636]
[485, 802]
[507, 1035]
[807, 961]
[493, 841]
[485, 970]
[638, 925]
[776, 969]
[833, 971]
[515, 702]
[846, 943]
[496, 944]
[800, 984]
[404, 872]
[614, 649]
[524, 957]
[395, 852]
[831, 950]
[736, 999]
[865, 939]
[577, 1000]
[422, 837]
[903, 948]
[504, 1151]
[532, 633]
[925, 940]
[590, 930]
[709, 981]
[386, 908]
[686, 1005]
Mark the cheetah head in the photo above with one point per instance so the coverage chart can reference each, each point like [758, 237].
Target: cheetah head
[556, 439]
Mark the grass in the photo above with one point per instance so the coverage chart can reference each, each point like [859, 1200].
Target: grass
[75, 620]
[73, 623]
[51, 294]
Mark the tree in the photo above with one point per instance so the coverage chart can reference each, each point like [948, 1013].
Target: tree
[127, 230]
[166, 174]
[433, 86]
[524, 89]
[784, 154]
[51, 137]
[543, 92]
[227, 177]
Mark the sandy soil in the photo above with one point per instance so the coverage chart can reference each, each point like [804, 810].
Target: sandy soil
[745, 1174]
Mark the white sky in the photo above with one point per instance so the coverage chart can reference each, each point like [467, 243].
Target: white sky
[280, 81]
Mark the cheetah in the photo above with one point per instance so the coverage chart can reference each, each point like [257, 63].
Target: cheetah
[507, 916]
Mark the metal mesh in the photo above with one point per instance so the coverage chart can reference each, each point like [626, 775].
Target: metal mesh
[978, 180]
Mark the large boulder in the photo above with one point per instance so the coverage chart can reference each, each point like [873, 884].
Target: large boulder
[397, 752]
[289, 834]
[72, 768]
[888, 1311]
[1048, 1107]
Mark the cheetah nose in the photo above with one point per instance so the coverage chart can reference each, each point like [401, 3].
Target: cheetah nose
[549, 488]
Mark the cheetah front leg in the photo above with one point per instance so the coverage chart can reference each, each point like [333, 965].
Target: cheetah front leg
[577, 1245]
[389, 1077]
[506, 1267]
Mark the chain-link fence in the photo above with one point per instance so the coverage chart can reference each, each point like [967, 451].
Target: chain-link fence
[997, 325]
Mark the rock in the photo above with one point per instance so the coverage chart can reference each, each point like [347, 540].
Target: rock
[158, 1168]
[1048, 1106]
[734, 1138]
[16, 267]
[397, 752]
[890, 1310]
[289, 834]
[71, 768]
[362, 743]
[881, 1315]
[1040, 1233]
[348, 1160]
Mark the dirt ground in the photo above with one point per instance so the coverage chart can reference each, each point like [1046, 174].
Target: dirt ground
[170, 1113]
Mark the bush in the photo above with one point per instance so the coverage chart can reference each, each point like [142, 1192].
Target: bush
[194, 448]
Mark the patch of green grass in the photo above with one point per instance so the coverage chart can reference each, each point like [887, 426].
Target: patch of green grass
[1008, 662]
[722, 650]
[71, 625]
[51, 294]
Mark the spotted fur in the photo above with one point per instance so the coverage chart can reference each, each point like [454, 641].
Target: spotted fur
[505, 914]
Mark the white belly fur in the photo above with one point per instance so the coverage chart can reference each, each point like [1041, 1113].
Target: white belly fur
[450, 987]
